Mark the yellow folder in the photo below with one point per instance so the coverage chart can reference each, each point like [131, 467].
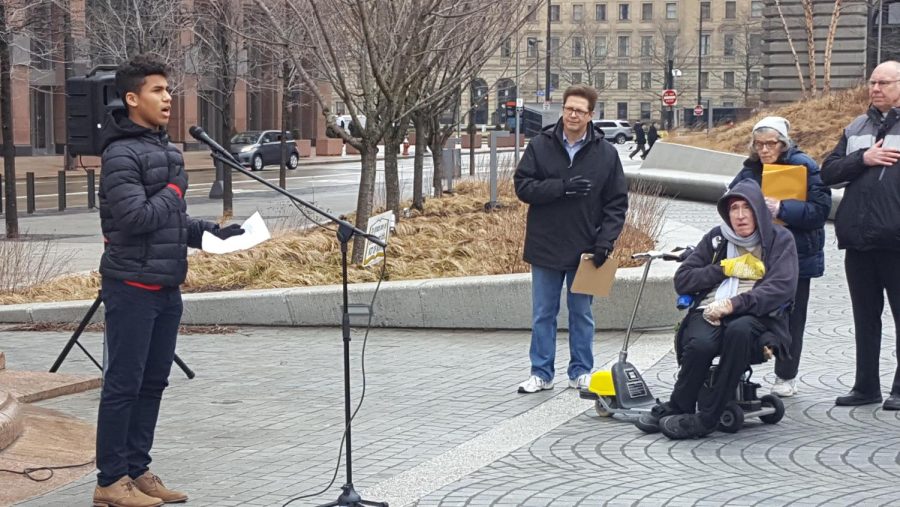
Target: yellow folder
[784, 181]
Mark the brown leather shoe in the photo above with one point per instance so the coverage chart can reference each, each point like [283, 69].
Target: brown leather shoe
[123, 493]
[152, 485]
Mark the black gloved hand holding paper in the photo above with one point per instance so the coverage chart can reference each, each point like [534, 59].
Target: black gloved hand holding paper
[228, 231]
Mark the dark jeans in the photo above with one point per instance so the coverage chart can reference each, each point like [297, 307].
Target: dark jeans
[736, 341]
[869, 274]
[787, 368]
[141, 327]
[638, 148]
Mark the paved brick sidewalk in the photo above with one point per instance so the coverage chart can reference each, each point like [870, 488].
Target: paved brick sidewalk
[262, 421]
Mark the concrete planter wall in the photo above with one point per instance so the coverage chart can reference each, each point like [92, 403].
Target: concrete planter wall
[304, 147]
[466, 142]
[327, 147]
[510, 141]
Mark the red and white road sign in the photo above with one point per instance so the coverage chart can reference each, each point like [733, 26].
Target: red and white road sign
[669, 97]
[698, 111]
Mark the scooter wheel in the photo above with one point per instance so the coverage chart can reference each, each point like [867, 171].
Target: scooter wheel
[603, 411]
[732, 418]
[776, 403]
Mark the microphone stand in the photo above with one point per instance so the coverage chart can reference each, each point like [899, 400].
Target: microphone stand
[346, 231]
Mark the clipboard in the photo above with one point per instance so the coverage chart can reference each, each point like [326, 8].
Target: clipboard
[592, 280]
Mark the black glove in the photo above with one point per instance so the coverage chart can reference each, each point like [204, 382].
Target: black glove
[600, 256]
[577, 186]
[227, 232]
[179, 179]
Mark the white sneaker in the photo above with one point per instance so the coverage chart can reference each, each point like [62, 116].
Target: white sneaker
[534, 384]
[784, 388]
[580, 382]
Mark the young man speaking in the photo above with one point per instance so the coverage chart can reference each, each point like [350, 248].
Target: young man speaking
[147, 232]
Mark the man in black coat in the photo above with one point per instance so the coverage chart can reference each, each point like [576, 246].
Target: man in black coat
[640, 140]
[147, 232]
[867, 226]
[574, 185]
[652, 137]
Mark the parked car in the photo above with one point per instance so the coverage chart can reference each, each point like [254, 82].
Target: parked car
[259, 148]
[615, 131]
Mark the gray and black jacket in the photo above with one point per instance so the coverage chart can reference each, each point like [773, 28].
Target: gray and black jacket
[559, 229]
[869, 215]
[145, 225]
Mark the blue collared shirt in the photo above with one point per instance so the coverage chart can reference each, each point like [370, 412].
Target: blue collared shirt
[573, 148]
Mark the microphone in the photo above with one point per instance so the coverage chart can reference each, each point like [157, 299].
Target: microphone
[201, 135]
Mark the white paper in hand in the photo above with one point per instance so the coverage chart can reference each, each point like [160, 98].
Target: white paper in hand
[255, 232]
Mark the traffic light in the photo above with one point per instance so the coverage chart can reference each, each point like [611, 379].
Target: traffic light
[90, 101]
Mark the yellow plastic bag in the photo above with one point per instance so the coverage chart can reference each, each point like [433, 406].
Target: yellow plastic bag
[745, 267]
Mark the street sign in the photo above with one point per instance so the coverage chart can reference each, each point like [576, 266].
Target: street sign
[540, 93]
[546, 105]
[520, 102]
[669, 97]
[698, 111]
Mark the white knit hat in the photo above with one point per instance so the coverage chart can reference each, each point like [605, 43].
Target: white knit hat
[779, 124]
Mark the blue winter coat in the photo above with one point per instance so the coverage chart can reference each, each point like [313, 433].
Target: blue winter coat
[805, 219]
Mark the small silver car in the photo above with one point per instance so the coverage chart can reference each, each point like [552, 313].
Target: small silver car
[259, 148]
[615, 131]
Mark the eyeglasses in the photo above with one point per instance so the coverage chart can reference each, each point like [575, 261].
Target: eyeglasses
[767, 145]
[880, 84]
[577, 112]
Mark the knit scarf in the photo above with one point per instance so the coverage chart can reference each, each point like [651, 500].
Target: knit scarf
[729, 287]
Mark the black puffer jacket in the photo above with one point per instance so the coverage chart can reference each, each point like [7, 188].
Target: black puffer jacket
[145, 225]
[560, 229]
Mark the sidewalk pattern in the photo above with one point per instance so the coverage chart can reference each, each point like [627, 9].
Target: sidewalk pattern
[262, 421]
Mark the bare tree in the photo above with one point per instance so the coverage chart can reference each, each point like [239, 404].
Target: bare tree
[373, 68]
[809, 26]
[588, 51]
[829, 45]
[668, 44]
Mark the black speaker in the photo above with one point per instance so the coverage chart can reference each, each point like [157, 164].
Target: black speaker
[90, 101]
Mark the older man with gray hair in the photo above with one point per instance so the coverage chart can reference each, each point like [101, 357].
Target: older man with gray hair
[868, 227]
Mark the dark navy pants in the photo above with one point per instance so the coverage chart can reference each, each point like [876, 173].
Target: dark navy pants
[141, 328]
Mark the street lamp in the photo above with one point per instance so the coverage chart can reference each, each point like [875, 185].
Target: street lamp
[533, 43]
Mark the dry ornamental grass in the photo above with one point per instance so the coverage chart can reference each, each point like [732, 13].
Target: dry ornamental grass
[452, 237]
[816, 125]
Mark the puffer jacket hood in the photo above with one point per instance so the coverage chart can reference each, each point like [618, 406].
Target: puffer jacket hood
[119, 126]
[749, 191]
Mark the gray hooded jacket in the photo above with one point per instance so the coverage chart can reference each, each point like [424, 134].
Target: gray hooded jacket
[698, 274]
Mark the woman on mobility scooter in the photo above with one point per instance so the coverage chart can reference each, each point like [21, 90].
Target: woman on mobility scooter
[742, 275]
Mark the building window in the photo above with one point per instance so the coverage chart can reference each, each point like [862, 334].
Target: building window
[728, 80]
[705, 11]
[646, 81]
[622, 81]
[578, 13]
[753, 79]
[729, 45]
[600, 47]
[600, 12]
[646, 45]
[577, 47]
[646, 12]
[671, 10]
[554, 13]
[645, 110]
[554, 47]
[727, 104]
[554, 81]
[704, 80]
[622, 110]
[600, 110]
[624, 45]
[756, 9]
[624, 12]
[671, 40]
[576, 77]
[532, 47]
[339, 108]
[532, 15]
[730, 10]
[704, 45]
[506, 49]
[755, 43]
[600, 80]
